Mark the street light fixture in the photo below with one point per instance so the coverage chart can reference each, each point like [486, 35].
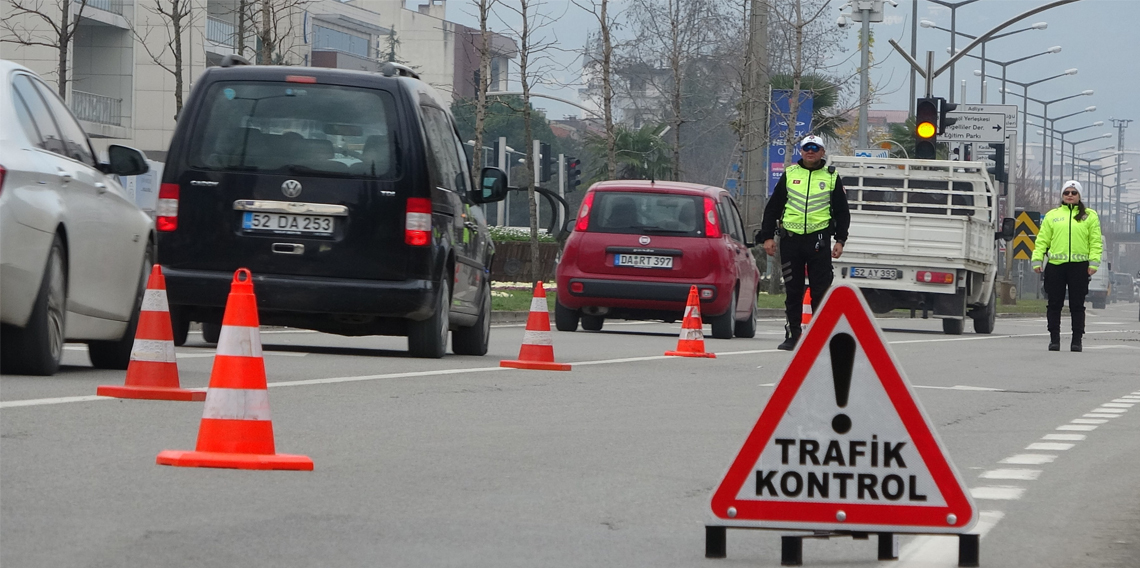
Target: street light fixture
[1045, 106]
[1025, 105]
[1005, 64]
[982, 89]
[953, 31]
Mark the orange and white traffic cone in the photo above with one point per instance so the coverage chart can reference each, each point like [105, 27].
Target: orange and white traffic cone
[153, 371]
[537, 350]
[692, 340]
[805, 316]
[236, 430]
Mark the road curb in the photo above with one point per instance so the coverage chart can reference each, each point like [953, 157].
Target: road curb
[506, 317]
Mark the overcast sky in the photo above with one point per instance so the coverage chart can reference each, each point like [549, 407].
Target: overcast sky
[1100, 38]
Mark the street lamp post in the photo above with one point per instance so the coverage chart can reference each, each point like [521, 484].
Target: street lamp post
[1024, 107]
[1064, 133]
[1045, 106]
[982, 88]
[953, 31]
[1004, 64]
[1088, 162]
[1051, 125]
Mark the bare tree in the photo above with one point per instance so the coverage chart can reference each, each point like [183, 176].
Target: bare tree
[176, 17]
[534, 66]
[52, 25]
[600, 62]
[275, 24]
[482, 85]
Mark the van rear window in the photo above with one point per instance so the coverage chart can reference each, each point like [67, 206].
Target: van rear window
[297, 129]
[646, 213]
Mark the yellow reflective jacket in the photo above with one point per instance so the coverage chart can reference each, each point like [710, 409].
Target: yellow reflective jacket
[1066, 239]
[808, 208]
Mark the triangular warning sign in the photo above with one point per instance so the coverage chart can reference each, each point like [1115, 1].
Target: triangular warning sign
[843, 444]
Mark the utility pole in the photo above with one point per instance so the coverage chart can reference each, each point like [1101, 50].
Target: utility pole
[756, 118]
[1120, 124]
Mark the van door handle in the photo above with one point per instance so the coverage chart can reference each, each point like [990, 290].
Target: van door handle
[288, 248]
[101, 187]
[65, 175]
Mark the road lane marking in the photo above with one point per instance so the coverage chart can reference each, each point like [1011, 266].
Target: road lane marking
[1049, 446]
[960, 388]
[1117, 405]
[1064, 437]
[1018, 474]
[1089, 421]
[1101, 415]
[1112, 410]
[933, 551]
[1078, 427]
[1029, 459]
[44, 401]
[997, 492]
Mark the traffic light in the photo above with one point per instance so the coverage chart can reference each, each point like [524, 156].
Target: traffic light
[926, 129]
[495, 153]
[998, 156]
[573, 173]
[943, 109]
[547, 168]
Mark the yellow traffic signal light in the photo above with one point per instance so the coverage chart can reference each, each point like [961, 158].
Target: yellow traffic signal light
[925, 128]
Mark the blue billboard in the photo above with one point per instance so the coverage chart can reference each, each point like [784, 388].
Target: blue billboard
[779, 114]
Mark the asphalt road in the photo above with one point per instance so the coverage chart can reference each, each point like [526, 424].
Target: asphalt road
[457, 462]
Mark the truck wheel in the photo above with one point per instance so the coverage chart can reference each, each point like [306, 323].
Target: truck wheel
[565, 319]
[986, 319]
[952, 326]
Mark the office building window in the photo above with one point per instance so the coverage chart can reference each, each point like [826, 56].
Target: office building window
[328, 38]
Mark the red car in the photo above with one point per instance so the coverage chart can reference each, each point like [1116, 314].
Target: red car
[638, 246]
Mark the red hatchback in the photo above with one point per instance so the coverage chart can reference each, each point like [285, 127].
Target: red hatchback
[638, 246]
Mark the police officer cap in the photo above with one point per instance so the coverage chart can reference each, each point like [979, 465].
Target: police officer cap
[1072, 184]
[812, 140]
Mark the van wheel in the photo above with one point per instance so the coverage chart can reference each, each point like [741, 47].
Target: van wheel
[986, 319]
[747, 328]
[591, 323]
[38, 348]
[565, 319]
[428, 338]
[117, 354]
[211, 332]
[180, 325]
[474, 340]
[722, 325]
[952, 326]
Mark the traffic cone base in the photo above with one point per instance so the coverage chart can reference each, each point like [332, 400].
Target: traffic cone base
[151, 393]
[236, 431]
[153, 369]
[235, 461]
[691, 343]
[537, 351]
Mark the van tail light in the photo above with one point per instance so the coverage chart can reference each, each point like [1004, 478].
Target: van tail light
[929, 277]
[166, 211]
[584, 213]
[417, 222]
[712, 222]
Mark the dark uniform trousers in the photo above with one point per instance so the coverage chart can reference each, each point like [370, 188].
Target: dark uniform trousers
[812, 250]
[1075, 277]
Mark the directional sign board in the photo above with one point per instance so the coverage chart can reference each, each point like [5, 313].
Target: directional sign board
[1010, 112]
[1025, 234]
[843, 443]
[975, 127]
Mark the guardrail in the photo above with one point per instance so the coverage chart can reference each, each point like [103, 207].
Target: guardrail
[220, 31]
[112, 6]
[97, 108]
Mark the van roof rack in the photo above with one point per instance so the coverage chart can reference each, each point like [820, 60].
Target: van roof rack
[234, 59]
[391, 69]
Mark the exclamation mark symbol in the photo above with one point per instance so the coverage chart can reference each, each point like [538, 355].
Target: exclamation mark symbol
[842, 361]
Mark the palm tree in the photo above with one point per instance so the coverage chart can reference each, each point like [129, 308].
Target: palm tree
[641, 153]
[825, 95]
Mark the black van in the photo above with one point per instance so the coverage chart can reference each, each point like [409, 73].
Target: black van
[346, 194]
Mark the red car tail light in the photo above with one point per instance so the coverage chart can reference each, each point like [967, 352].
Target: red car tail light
[577, 287]
[417, 222]
[166, 210]
[712, 222]
[929, 277]
[584, 213]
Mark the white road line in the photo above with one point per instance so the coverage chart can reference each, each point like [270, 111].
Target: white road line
[1101, 415]
[1019, 474]
[1112, 347]
[1089, 421]
[1118, 405]
[1049, 446]
[960, 388]
[1112, 410]
[1029, 459]
[997, 492]
[1077, 427]
[43, 401]
[941, 551]
[1064, 437]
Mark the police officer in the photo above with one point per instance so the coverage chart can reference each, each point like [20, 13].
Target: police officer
[807, 208]
[1070, 235]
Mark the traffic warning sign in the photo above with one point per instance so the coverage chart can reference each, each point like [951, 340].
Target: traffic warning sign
[843, 443]
[1025, 234]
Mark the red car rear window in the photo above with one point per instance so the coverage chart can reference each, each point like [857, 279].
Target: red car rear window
[646, 213]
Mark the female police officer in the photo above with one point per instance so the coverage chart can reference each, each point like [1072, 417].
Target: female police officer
[1070, 235]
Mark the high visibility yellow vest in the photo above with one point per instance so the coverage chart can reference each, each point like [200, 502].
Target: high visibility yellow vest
[809, 199]
[1068, 240]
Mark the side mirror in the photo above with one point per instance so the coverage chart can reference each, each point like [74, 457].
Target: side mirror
[1008, 225]
[124, 161]
[493, 187]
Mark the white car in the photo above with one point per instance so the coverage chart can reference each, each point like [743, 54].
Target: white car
[75, 250]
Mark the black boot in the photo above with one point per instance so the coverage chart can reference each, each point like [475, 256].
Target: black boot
[1076, 345]
[792, 337]
[1054, 341]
